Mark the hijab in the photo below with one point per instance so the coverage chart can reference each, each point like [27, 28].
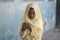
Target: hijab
[37, 21]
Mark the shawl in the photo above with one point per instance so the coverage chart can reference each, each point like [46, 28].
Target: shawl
[36, 24]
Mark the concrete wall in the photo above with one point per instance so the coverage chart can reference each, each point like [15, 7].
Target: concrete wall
[11, 13]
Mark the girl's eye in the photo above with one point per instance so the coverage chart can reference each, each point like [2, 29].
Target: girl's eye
[29, 12]
[33, 12]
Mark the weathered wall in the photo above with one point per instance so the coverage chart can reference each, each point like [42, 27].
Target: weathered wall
[11, 13]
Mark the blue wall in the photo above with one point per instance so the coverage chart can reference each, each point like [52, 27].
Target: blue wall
[11, 15]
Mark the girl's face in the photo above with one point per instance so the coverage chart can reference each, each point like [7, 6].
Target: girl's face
[31, 13]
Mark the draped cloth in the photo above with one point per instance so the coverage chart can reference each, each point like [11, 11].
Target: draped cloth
[36, 24]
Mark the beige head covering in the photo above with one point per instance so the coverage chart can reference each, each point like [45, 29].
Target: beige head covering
[37, 13]
[36, 24]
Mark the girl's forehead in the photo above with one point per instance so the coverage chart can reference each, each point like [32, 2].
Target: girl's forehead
[31, 8]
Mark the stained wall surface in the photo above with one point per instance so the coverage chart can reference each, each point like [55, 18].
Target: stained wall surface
[11, 13]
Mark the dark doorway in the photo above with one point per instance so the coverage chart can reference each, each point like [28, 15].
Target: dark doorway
[58, 14]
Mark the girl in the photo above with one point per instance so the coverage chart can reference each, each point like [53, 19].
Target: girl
[31, 28]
